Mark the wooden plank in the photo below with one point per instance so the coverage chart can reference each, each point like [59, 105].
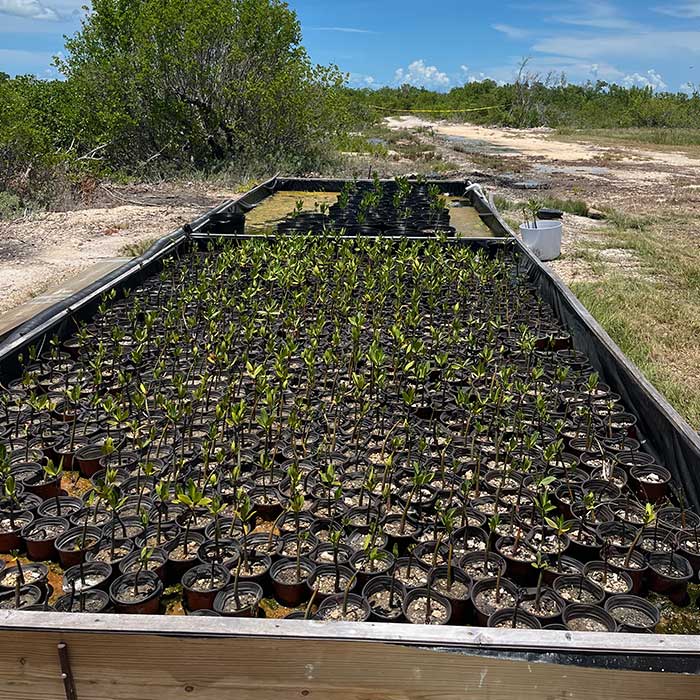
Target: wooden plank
[535, 641]
[123, 667]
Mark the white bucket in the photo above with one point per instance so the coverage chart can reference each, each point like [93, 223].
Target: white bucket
[545, 240]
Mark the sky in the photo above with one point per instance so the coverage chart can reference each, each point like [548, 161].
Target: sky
[443, 44]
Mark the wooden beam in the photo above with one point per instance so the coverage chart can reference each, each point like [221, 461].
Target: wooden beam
[131, 667]
[460, 638]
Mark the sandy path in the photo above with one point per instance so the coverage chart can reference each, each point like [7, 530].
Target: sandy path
[41, 251]
[550, 155]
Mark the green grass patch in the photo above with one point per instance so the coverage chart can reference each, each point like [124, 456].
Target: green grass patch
[570, 206]
[651, 136]
[647, 324]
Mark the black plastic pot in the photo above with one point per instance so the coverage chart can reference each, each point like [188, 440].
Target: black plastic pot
[634, 564]
[66, 504]
[569, 565]
[417, 612]
[41, 534]
[249, 596]
[670, 574]
[146, 601]
[87, 459]
[73, 545]
[356, 609]
[473, 565]
[94, 574]
[551, 606]
[513, 618]
[588, 618]
[225, 550]
[655, 490]
[383, 566]
[180, 560]
[461, 604]
[104, 552]
[327, 572]
[595, 570]
[92, 601]
[385, 597]
[157, 563]
[35, 574]
[633, 614]
[688, 543]
[28, 596]
[288, 591]
[202, 598]
[403, 542]
[323, 554]
[584, 551]
[11, 539]
[484, 607]
[568, 588]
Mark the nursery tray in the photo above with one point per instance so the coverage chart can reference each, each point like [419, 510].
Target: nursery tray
[79, 657]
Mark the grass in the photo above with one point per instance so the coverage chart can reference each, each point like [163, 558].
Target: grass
[378, 149]
[649, 137]
[134, 250]
[652, 308]
[570, 206]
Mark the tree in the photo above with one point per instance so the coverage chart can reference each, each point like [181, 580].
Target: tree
[203, 81]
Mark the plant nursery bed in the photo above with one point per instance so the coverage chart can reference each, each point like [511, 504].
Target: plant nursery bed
[359, 421]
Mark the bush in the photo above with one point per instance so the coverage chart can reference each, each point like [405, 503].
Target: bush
[162, 86]
[201, 83]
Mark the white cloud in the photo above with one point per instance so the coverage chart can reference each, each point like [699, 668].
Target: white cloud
[361, 80]
[651, 79]
[344, 30]
[510, 31]
[29, 9]
[640, 45]
[468, 76]
[596, 15]
[420, 75]
[686, 10]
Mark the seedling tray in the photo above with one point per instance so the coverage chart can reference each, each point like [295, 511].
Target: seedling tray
[205, 657]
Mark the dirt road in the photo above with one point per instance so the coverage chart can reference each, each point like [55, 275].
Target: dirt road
[603, 174]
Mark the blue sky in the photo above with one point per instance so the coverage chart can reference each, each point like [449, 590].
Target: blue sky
[441, 45]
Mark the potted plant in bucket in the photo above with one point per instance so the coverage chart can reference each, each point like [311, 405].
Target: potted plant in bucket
[542, 237]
